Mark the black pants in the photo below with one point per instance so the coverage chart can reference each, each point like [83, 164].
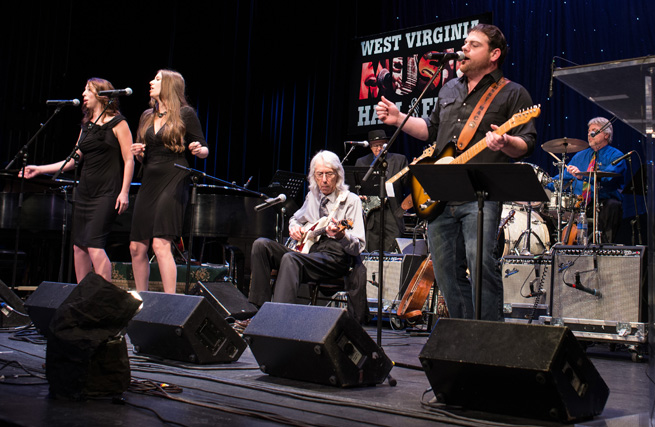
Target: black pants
[609, 219]
[326, 260]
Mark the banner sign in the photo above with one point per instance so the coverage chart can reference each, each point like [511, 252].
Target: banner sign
[394, 65]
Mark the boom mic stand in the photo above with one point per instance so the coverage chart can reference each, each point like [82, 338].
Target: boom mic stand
[22, 154]
[379, 164]
[195, 176]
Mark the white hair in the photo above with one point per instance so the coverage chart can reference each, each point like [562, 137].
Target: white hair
[331, 160]
[602, 121]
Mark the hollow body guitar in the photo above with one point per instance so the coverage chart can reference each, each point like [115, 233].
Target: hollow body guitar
[314, 232]
[428, 209]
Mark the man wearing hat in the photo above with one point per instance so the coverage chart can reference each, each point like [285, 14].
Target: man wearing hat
[393, 214]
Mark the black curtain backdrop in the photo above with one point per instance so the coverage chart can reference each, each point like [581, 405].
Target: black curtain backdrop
[270, 79]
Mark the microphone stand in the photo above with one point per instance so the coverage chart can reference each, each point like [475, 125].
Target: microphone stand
[352, 147]
[22, 154]
[195, 176]
[379, 164]
[636, 221]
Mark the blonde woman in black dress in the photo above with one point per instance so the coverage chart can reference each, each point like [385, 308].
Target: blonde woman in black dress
[169, 133]
[105, 176]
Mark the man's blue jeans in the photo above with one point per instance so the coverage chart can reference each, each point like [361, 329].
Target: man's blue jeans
[453, 239]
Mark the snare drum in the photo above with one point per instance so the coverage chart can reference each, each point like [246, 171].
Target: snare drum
[543, 178]
[569, 204]
[514, 227]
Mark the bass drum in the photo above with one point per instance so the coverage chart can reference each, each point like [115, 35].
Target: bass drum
[513, 226]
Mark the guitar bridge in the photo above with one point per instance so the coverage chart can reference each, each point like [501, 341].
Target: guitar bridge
[428, 203]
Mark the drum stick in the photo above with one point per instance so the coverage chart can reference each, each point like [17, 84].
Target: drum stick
[556, 158]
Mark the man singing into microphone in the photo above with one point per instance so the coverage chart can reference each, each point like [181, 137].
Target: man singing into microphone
[331, 256]
[601, 156]
[453, 233]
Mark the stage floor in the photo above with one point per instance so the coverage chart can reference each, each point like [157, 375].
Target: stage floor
[239, 394]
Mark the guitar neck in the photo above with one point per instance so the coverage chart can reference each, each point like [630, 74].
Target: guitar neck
[479, 146]
[399, 175]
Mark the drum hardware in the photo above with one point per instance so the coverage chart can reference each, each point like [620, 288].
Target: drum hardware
[595, 174]
[527, 233]
[562, 146]
[511, 231]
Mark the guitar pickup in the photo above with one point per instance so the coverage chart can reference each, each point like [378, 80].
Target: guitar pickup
[428, 203]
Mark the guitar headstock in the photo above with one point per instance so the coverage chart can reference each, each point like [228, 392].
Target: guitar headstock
[526, 115]
[346, 224]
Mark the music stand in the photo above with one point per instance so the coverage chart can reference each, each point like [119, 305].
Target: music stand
[354, 176]
[289, 184]
[480, 181]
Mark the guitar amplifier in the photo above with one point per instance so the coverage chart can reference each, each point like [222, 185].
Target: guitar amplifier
[599, 282]
[397, 271]
[527, 283]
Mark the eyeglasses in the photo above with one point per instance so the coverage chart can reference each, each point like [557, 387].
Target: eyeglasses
[328, 175]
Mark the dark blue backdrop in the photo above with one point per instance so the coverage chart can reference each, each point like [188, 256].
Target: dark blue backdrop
[270, 79]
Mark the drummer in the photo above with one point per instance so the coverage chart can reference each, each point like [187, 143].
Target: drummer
[609, 191]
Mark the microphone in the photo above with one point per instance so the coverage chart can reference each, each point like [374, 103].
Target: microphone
[625, 156]
[457, 56]
[552, 71]
[117, 92]
[534, 293]
[578, 286]
[358, 143]
[271, 202]
[74, 102]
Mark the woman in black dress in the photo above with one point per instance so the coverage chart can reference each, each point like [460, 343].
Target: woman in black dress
[105, 176]
[169, 133]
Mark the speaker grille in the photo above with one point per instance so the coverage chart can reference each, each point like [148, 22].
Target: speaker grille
[615, 271]
[397, 269]
[524, 275]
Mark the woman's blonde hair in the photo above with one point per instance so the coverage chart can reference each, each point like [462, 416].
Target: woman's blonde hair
[173, 97]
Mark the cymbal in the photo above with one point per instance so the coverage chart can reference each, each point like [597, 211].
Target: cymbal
[600, 174]
[564, 145]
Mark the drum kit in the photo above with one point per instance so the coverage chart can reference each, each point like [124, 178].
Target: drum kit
[561, 207]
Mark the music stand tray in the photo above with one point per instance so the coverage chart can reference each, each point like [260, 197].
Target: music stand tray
[289, 183]
[500, 181]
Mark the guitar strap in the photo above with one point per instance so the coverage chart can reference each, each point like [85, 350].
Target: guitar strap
[478, 113]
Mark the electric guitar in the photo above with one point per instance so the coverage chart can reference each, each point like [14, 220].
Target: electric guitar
[314, 231]
[428, 152]
[427, 209]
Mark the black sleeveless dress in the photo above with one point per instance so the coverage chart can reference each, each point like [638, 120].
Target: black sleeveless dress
[101, 179]
[162, 198]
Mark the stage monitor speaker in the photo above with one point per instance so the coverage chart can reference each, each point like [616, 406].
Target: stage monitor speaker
[322, 345]
[86, 353]
[523, 277]
[529, 371]
[12, 309]
[397, 269]
[44, 301]
[186, 328]
[615, 272]
[226, 298]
